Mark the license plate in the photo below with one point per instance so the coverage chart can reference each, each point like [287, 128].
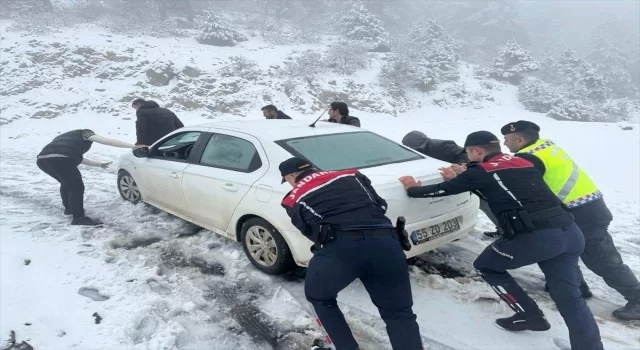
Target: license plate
[435, 231]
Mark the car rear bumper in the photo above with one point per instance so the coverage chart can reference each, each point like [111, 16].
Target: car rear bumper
[469, 213]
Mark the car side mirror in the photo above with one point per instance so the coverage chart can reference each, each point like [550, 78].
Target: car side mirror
[141, 152]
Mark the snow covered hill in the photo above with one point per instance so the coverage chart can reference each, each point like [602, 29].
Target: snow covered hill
[151, 281]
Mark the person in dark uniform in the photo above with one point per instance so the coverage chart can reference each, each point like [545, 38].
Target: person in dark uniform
[60, 159]
[271, 112]
[585, 201]
[153, 122]
[447, 151]
[345, 218]
[339, 113]
[537, 229]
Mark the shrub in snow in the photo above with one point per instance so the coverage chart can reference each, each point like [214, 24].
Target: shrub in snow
[344, 57]
[307, 65]
[434, 67]
[394, 75]
[618, 109]
[575, 110]
[216, 33]
[161, 72]
[434, 57]
[427, 58]
[359, 24]
[273, 33]
[580, 79]
[512, 63]
[614, 53]
[536, 95]
[241, 67]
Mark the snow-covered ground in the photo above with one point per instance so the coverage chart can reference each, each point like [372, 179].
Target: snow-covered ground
[151, 281]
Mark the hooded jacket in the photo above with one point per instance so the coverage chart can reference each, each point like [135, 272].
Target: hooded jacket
[444, 150]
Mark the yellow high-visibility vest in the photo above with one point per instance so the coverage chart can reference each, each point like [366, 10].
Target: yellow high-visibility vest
[563, 176]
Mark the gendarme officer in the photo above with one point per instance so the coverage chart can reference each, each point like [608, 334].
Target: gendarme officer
[536, 229]
[585, 201]
[345, 218]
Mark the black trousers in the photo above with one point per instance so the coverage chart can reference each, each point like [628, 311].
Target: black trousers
[381, 266]
[65, 171]
[602, 257]
[556, 251]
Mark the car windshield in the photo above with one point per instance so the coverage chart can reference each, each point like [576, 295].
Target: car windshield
[353, 150]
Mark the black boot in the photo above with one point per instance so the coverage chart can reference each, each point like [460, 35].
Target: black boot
[85, 221]
[630, 312]
[518, 323]
[319, 344]
[584, 289]
[493, 234]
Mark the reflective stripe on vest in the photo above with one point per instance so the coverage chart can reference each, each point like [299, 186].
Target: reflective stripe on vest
[563, 176]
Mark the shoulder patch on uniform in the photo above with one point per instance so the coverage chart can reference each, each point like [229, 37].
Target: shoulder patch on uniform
[313, 182]
[505, 161]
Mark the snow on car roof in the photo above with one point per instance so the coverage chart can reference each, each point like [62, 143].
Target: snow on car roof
[276, 129]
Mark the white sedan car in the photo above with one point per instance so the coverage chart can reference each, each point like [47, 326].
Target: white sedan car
[224, 177]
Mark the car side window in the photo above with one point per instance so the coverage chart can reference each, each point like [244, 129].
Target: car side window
[232, 153]
[177, 147]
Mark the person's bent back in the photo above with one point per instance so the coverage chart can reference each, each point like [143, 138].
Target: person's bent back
[154, 122]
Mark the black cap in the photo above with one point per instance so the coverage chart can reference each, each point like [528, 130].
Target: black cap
[293, 165]
[480, 138]
[520, 125]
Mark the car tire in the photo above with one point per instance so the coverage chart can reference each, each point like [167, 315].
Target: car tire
[275, 258]
[128, 188]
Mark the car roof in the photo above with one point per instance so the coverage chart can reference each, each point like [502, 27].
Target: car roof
[277, 129]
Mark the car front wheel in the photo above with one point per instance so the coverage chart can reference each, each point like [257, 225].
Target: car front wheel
[265, 247]
[128, 188]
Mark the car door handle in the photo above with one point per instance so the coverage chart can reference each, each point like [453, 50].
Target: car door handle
[174, 175]
[230, 187]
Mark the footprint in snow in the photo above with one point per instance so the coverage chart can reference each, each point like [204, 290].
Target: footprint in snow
[145, 329]
[561, 344]
[158, 287]
[92, 294]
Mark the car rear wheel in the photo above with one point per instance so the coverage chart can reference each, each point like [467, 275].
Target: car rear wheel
[128, 188]
[265, 247]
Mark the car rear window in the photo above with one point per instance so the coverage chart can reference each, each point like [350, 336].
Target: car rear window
[353, 150]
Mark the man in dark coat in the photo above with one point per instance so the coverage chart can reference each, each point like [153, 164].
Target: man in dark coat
[339, 113]
[272, 112]
[60, 159]
[154, 122]
[446, 151]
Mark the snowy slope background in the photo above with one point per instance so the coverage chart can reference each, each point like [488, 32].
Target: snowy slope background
[152, 281]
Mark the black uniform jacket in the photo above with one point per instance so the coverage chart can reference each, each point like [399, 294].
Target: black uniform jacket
[343, 198]
[504, 181]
